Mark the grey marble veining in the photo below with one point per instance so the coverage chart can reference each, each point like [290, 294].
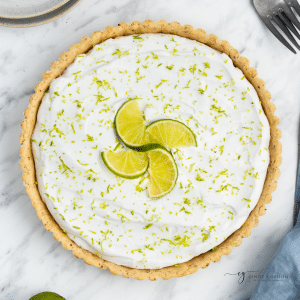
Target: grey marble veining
[31, 260]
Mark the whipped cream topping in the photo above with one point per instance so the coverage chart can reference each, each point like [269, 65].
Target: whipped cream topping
[219, 181]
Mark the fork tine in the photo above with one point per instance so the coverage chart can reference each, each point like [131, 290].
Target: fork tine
[282, 26]
[289, 24]
[271, 27]
[288, 11]
[294, 4]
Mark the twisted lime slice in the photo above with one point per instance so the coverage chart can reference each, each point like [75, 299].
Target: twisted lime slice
[163, 172]
[128, 164]
[130, 124]
[130, 127]
[132, 131]
[171, 134]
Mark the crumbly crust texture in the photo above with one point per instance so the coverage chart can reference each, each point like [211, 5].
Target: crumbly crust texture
[58, 67]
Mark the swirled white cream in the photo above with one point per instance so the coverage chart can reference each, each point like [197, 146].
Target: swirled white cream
[219, 182]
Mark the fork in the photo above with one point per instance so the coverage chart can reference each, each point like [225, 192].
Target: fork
[280, 13]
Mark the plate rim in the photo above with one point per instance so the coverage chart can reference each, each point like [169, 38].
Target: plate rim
[63, 2]
[40, 19]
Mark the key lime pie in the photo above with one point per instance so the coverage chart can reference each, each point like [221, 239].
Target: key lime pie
[150, 149]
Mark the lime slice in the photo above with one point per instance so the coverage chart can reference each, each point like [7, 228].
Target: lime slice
[170, 133]
[126, 163]
[47, 296]
[130, 127]
[130, 124]
[163, 172]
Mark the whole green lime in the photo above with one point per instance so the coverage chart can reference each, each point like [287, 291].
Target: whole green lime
[47, 296]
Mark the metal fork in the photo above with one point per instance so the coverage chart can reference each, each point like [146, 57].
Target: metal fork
[280, 12]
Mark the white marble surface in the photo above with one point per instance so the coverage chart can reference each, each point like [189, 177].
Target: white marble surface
[31, 261]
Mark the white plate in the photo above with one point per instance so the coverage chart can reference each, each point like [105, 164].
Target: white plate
[24, 13]
[15, 9]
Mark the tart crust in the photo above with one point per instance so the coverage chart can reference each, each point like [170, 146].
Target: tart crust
[58, 67]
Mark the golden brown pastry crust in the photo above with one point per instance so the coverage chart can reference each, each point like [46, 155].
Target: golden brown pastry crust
[58, 67]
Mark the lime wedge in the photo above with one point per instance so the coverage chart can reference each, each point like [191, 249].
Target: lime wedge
[47, 296]
[131, 130]
[130, 127]
[130, 124]
[163, 172]
[170, 133]
[126, 163]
